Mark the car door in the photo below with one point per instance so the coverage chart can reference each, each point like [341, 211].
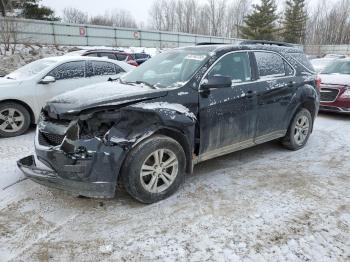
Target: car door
[228, 115]
[101, 71]
[276, 88]
[68, 76]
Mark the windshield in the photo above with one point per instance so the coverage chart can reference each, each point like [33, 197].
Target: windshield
[30, 70]
[168, 70]
[338, 67]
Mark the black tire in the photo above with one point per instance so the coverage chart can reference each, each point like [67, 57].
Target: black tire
[23, 125]
[289, 141]
[131, 170]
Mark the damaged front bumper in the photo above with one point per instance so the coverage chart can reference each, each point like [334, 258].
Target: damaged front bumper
[50, 178]
[91, 169]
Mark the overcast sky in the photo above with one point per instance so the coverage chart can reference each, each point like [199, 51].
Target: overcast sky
[138, 8]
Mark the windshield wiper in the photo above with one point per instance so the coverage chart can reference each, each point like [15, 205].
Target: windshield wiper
[142, 82]
[8, 77]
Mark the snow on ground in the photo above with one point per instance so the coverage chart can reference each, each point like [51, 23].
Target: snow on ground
[260, 204]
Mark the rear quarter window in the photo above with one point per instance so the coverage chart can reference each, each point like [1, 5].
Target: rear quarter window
[302, 59]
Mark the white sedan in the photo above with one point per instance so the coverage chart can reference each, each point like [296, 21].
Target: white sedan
[25, 91]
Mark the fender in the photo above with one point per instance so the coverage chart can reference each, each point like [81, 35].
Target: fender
[140, 121]
[306, 96]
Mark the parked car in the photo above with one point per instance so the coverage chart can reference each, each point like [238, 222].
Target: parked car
[149, 129]
[25, 91]
[334, 56]
[321, 63]
[107, 53]
[140, 58]
[335, 87]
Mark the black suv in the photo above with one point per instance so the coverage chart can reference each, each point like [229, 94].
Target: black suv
[140, 58]
[148, 129]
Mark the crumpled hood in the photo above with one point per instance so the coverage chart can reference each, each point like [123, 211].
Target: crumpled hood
[98, 95]
[335, 79]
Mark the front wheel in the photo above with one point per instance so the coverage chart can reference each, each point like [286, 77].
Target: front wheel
[154, 169]
[299, 130]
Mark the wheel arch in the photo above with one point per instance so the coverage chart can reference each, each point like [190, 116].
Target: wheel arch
[25, 105]
[183, 141]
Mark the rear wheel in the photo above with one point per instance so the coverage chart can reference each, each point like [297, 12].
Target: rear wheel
[299, 130]
[14, 119]
[154, 169]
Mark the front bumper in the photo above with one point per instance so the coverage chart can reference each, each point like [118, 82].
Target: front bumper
[94, 173]
[50, 178]
[336, 109]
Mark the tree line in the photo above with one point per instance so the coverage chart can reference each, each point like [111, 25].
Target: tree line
[293, 21]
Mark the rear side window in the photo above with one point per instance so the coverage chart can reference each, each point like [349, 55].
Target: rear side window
[270, 64]
[108, 55]
[100, 68]
[121, 57]
[69, 70]
[92, 55]
[235, 65]
[141, 56]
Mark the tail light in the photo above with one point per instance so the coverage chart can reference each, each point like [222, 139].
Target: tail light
[318, 83]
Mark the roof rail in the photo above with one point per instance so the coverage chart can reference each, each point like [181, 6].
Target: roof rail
[264, 42]
[208, 43]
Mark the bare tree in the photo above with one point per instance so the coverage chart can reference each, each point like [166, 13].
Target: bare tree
[122, 18]
[236, 12]
[74, 16]
[213, 17]
[117, 18]
[329, 24]
[8, 35]
[216, 14]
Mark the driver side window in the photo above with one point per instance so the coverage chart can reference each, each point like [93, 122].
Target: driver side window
[235, 65]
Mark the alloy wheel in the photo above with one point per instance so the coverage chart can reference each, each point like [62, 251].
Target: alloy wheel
[301, 129]
[11, 120]
[159, 171]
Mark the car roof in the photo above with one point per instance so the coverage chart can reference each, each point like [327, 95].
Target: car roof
[60, 59]
[237, 47]
[106, 51]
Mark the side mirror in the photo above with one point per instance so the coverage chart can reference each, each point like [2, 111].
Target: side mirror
[216, 81]
[47, 80]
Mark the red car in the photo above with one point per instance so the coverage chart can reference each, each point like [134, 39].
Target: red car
[335, 87]
[108, 53]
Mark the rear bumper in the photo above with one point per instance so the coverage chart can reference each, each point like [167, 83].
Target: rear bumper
[50, 178]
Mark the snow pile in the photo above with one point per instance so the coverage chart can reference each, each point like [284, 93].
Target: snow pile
[26, 54]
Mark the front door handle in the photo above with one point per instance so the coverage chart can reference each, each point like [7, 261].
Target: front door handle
[291, 84]
[250, 94]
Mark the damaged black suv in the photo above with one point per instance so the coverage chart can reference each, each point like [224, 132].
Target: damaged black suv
[148, 129]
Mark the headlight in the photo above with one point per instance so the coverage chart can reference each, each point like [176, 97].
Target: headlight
[346, 94]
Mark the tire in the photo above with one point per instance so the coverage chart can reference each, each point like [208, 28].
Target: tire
[143, 177]
[9, 113]
[299, 130]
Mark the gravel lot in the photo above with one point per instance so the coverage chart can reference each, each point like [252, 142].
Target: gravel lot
[264, 203]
